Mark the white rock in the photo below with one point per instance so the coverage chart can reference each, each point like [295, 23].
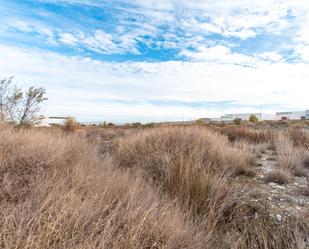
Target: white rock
[279, 217]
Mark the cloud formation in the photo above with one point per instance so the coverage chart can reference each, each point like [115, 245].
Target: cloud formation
[150, 60]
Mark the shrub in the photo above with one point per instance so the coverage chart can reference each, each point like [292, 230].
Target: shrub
[289, 157]
[248, 134]
[185, 162]
[306, 162]
[278, 176]
[237, 121]
[136, 124]
[299, 138]
[70, 125]
[199, 122]
[253, 119]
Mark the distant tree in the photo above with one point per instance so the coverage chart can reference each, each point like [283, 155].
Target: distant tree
[253, 118]
[199, 122]
[237, 121]
[136, 124]
[150, 125]
[110, 124]
[5, 85]
[18, 107]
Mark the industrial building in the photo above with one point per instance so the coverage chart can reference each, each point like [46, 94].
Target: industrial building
[246, 116]
[56, 120]
[293, 115]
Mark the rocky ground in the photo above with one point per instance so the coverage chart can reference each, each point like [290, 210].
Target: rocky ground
[284, 199]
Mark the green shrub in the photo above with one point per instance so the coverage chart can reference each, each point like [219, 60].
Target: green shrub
[253, 119]
[237, 121]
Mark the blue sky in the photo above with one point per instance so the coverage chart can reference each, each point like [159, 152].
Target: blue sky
[158, 60]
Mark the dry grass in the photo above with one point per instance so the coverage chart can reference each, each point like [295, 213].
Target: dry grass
[278, 176]
[157, 188]
[57, 193]
[70, 125]
[168, 151]
[251, 135]
[299, 137]
[197, 168]
[290, 158]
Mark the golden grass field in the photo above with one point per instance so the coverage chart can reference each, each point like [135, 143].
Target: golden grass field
[194, 186]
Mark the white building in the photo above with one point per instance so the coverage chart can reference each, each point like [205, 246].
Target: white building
[56, 120]
[246, 116]
[294, 115]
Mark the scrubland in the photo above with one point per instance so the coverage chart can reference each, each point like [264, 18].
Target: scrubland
[196, 186]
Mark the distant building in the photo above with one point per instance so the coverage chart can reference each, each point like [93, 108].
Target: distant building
[43, 122]
[246, 116]
[294, 115]
[55, 120]
[58, 120]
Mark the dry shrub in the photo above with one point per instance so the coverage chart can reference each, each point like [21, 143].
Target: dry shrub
[256, 150]
[290, 157]
[304, 191]
[168, 155]
[70, 125]
[187, 163]
[251, 135]
[306, 161]
[60, 194]
[299, 137]
[196, 167]
[278, 176]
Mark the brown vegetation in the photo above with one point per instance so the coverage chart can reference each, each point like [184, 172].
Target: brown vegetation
[278, 176]
[235, 133]
[58, 193]
[179, 187]
[70, 125]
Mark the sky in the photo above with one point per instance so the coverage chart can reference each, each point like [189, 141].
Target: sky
[158, 60]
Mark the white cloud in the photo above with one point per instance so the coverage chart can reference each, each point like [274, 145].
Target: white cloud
[223, 55]
[69, 39]
[187, 20]
[29, 27]
[270, 56]
[78, 86]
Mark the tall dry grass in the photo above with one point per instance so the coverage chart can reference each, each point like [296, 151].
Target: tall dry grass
[159, 188]
[292, 152]
[251, 135]
[197, 167]
[56, 192]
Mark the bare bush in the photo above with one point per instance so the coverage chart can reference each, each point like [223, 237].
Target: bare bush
[18, 107]
[70, 125]
[289, 157]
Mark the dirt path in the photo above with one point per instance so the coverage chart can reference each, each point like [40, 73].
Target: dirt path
[284, 200]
